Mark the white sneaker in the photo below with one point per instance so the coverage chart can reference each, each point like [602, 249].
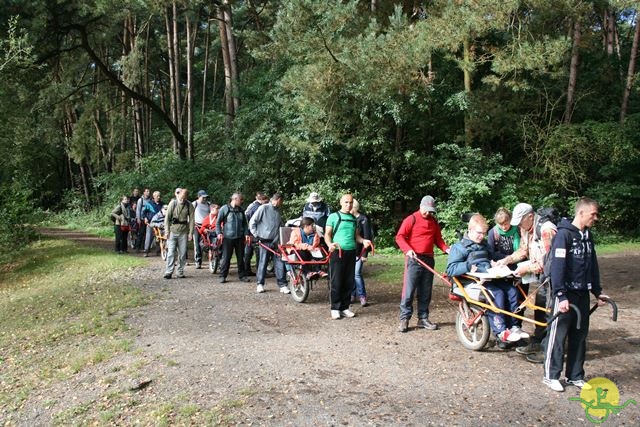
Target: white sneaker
[581, 384]
[508, 336]
[335, 314]
[348, 313]
[285, 290]
[553, 384]
[259, 289]
[519, 331]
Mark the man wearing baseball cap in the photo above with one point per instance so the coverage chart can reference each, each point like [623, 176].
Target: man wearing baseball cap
[200, 212]
[532, 248]
[417, 235]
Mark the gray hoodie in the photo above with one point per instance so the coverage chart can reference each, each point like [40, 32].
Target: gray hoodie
[265, 223]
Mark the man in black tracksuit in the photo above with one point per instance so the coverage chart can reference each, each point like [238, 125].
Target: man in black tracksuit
[574, 272]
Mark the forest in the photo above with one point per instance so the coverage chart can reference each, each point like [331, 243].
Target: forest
[479, 103]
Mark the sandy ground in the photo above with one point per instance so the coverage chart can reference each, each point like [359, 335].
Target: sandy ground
[268, 360]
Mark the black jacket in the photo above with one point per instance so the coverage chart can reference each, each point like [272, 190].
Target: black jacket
[574, 266]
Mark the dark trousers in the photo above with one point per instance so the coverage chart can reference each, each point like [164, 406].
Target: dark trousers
[197, 249]
[249, 250]
[341, 275]
[564, 327]
[417, 279]
[121, 239]
[141, 235]
[228, 247]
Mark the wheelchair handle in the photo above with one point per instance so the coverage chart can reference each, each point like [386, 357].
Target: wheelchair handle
[614, 309]
[572, 307]
[364, 251]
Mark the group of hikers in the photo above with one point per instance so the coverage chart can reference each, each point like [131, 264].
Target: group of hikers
[535, 246]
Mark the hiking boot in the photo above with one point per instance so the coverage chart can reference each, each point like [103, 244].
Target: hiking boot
[508, 336]
[532, 347]
[335, 314]
[537, 357]
[260, 289]
[404, 325]
[553, 385]
[518, 330]
[348, 313]
[285, 290]
[363, 301]
[581, 384]
[167, 276]
[503, 345]
[427, 324]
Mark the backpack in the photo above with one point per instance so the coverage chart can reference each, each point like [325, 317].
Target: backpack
[335, 229]
[544, 215]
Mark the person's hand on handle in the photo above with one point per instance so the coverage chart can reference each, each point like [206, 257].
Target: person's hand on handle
[563, 306]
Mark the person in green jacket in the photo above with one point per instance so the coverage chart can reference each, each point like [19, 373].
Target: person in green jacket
[179, 224]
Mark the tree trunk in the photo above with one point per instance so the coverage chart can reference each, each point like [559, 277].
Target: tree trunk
[228, 86]
[467, 71]
[107, 72]
[573, 71]
[190, 42]
[630, 73]
[172, 82]
[233, 55]
[147, 91]
[205, 71]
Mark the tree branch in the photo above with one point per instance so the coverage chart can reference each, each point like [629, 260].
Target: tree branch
[117, 82]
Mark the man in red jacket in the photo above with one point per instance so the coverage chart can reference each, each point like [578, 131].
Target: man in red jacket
[417, 235]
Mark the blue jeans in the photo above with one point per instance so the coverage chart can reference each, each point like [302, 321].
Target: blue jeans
[263, 260]
[505, 296]
[359, 290]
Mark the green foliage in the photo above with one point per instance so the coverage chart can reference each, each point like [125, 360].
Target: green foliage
[17, 215]
[471, 182]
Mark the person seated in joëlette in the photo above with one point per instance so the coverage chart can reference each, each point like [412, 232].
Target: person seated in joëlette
[306, 240]
[470, 255]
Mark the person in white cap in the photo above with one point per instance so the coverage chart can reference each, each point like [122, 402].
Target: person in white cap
[417, 235]
[533, 248]
[200, 212]
[316, 209]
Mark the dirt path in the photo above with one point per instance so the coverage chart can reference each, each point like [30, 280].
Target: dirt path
[263, 359]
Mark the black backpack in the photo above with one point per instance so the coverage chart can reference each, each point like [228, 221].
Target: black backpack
[544, 215]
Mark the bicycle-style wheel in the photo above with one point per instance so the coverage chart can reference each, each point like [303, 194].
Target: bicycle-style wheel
[131, 238]
[298, 284]
[474, 336]
[163, 249]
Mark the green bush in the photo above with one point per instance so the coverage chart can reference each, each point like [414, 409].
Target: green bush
[16, 218]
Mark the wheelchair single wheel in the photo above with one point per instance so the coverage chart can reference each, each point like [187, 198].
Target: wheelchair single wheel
[298, 285]
[163, 249]
[214, 264]
[131, 238]
[474, 336]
